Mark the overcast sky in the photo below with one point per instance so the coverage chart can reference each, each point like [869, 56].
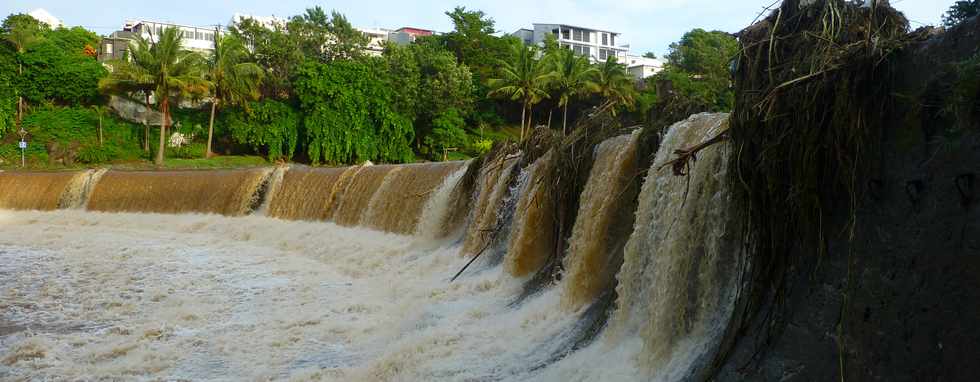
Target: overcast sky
[647, 25]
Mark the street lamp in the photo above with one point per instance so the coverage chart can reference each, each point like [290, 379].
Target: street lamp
[23, 146]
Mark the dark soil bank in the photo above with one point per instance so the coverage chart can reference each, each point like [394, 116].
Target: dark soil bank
[911, 310]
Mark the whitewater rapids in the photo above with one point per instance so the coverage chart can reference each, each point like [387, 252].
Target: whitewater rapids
[89, 296]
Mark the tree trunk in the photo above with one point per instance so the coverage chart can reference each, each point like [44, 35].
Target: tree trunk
[165, 109]
[20, 99]
[530, 119]
[100, 130]
[523, 112]
[564, 121]
[214, 106]
[550, 112]
[146, 127]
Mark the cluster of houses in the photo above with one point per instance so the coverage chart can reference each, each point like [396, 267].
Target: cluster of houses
[596, 44]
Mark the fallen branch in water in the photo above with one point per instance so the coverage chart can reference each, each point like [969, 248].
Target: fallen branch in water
[684, 158]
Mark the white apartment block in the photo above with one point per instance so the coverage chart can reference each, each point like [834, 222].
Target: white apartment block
[195, 38]
[596, 44]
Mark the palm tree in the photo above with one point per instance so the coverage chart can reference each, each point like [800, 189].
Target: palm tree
[22, 31]
[523, 80]
[100, 111]
[233, 81]
[615, 85]
[572, 78]
[170, 70]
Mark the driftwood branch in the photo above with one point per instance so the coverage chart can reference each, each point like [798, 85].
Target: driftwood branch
[682, 163]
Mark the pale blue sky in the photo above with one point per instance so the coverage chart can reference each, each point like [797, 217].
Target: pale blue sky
[648, 25]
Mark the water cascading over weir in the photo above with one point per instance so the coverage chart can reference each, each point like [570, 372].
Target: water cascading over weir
[666, 280]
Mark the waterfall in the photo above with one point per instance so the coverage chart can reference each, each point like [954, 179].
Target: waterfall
[33, 190]
[78, 191]
[677, 283]
[434, 221]
[532, 237]
[397, 204]
[272, 186]
[603, 222]
[649, 271]
[224, 192]
[492, 188]
[356, 197]
[307, 193]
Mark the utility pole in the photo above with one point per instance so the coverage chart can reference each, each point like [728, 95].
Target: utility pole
[23, 146]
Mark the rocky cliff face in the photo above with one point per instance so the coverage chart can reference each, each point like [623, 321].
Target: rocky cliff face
[899, 302]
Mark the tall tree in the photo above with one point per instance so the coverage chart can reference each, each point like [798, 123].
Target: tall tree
[961, 10]
[572, 78]
[615, 85]
[524, 80]
[327, 38]
[100, 111]
[172, 71]
[275, 50]
[233, 80]
[21, 31]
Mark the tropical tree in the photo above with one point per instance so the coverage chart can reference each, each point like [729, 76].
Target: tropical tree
[21, 31]
[961, 10]
[524, 80]
[100, 111]
[572, 78]
[164, 65]
[232, 79]
[614, 85]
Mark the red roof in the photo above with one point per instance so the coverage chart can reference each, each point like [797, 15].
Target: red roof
[415, 31]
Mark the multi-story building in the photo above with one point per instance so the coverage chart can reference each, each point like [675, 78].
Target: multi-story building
[642, 67]
[195, 38]
[116, 45]
[596, 44]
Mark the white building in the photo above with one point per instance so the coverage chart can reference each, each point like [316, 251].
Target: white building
[596, 44]
[378, 37]
[642, 67]
[195, 38]
[44, 16]
[269, 22]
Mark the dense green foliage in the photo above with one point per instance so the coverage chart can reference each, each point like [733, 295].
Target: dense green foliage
[67, 77]
[350, 114]
[696, 78]
[8, 92]
[269, 126]
[231, 78]
[961, 10]
[309, 89]
[68, 134]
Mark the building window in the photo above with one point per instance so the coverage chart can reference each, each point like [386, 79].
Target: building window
[577, 35]
[566, 34]
[587, 36]
[603, 54]
[612, 40]
[108, 49]
[605, 39]
[586, 51]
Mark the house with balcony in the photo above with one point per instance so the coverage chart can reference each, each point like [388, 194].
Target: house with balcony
[596, 44]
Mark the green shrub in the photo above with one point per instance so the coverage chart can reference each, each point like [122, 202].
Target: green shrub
[97, 154]
[271, 126]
